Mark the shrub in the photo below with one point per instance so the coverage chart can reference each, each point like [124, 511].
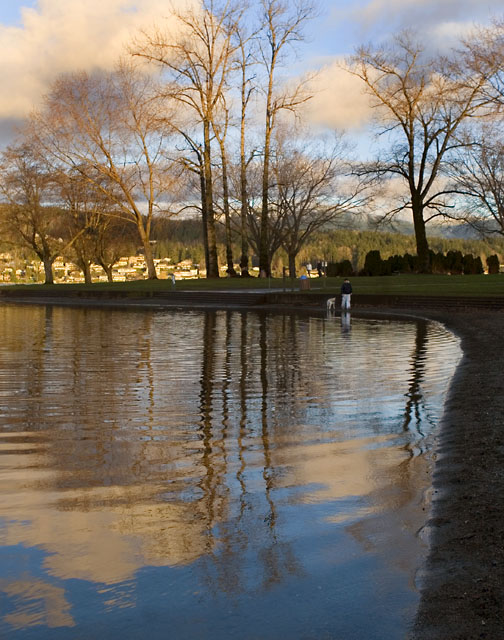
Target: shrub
[455, 262]
[478, 266]
[468, 264]
[343, 269]
[332, 269]
[373, 264]
[493, 264]
[438, 263]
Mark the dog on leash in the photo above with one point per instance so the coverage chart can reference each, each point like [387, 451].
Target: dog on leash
[331, 304]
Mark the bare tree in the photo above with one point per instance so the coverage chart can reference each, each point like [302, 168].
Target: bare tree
[234, 176]
[245, 60]
[477, 177]
[313, 191]
[282, 22]
[82, 212]
[193, 169]
[254, 212]
[221, 132]
[29, 217]
[484, 52]
[106, 233]
[421, 103]
[106, 126]
[113, 241]
[199, 60]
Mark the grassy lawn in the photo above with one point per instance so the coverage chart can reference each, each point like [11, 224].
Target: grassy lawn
[431, 285]
[434, 285]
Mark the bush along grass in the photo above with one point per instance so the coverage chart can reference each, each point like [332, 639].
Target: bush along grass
[451, 263]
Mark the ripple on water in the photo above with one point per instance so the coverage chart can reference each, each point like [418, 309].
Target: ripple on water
[229, 474]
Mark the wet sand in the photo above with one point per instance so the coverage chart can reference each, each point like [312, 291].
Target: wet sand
[462, 595]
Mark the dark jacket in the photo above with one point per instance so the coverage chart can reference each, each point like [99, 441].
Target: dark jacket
[346, 287]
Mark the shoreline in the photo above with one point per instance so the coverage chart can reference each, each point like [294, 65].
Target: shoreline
[462, 595]
[462, 591]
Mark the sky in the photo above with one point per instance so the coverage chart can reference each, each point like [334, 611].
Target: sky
[41, 38]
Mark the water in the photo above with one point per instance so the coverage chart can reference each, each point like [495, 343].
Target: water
[191, 475]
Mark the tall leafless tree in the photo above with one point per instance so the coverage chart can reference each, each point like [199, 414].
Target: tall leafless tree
[106, 127]
[221, 131]
[245, 60]
[199, 59]
[421, 103]
[282, 23]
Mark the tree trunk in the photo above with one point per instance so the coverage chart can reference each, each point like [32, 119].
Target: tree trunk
[244, 242]
[108, 271]
[264, 256]
[243, 180]
[227, 217]
[86, 270]
[422, 244]
[149, 261]
[292, 265]
[229, 249]
[48, 270]
[204, 215]
[264, 262]
[213, 263]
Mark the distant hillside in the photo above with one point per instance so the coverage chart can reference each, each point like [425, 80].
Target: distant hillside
[182, 239]
[434, 230]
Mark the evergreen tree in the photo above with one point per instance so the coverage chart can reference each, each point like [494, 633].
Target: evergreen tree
[493, 264]
[372, 264]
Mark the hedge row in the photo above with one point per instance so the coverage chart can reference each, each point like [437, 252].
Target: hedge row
[453, 262]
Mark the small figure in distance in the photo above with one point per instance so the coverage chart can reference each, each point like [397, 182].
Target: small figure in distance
[346, 292]
[319, 269]
[308, 269]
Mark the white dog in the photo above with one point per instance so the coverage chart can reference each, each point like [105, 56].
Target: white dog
[331, 304]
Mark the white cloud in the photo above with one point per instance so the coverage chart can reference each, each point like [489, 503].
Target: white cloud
[66, 35]
[339, 100]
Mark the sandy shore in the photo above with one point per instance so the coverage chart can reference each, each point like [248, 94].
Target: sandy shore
[463, 592]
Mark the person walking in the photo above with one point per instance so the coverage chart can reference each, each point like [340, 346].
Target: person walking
[346, 292]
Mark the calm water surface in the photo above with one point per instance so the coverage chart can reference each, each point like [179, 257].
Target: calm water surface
[214, 475]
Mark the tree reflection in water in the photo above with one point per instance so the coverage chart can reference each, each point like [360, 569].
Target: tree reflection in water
[239, 461]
